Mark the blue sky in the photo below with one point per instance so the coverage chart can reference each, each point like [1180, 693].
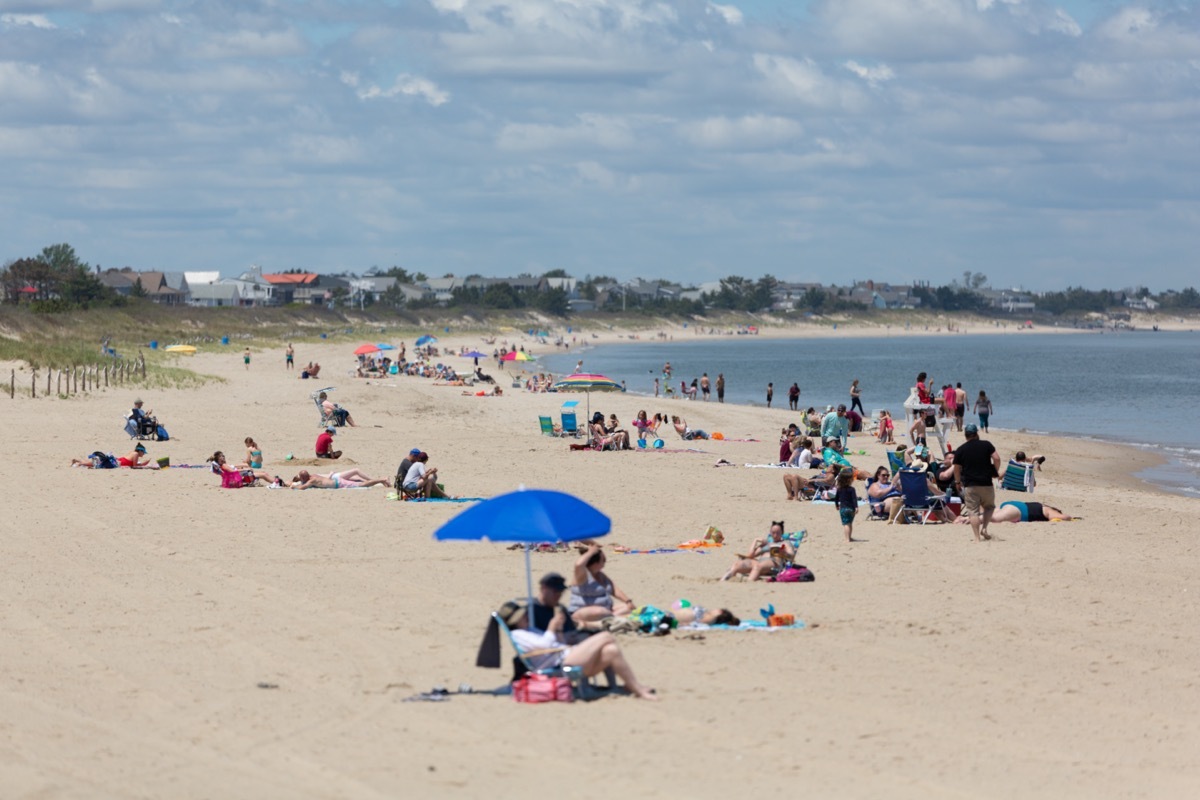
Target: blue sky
[1044, 144]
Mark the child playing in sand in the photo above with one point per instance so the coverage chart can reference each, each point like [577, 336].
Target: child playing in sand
[846, 501]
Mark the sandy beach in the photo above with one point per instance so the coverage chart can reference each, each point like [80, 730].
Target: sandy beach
[142, 611]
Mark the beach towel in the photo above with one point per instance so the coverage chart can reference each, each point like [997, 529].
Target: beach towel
[746, 625]
[396, 496]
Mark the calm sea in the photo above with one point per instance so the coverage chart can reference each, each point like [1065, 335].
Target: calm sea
[1139, 388]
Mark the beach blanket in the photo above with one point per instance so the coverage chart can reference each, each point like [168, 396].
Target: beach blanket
[396, 496]
[773, 466]
[746, 625]
[655, 551]
[727, 439]
[670, 450]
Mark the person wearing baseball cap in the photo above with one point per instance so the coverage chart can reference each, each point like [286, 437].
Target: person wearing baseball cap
[405, 466]
[550, 592]
[976, 462]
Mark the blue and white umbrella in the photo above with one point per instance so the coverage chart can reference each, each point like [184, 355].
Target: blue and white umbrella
[530, 517]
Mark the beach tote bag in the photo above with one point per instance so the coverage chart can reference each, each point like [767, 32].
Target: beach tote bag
[534, 688]
[795, 574]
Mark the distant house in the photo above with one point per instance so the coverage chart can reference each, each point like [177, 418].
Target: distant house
[442, 289]
[120, 281]
[297, 287]
[1013, 301]
[1141, 303]
[253, 288]
[214, 295]
[156, 286]
[199, 277]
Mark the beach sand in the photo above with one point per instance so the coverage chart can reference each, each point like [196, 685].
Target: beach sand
[142, 610]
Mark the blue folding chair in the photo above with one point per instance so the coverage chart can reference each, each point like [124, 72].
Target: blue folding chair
[570, 419]
[918, 502]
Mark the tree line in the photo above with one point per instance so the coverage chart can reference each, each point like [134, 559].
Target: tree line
[58, 280]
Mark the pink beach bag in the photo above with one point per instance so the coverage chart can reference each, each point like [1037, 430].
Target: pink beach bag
[532, 688]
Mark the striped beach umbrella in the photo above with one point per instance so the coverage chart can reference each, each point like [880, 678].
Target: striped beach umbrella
[517, 355]
[587, 382]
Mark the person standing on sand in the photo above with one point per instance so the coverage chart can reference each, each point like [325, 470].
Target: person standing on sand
[720, 387]
[246, 358]
[794, 397]
[770, 393]
[656, 387]
[704, 386]
[291, 356]
[976, 462]
[960, 405]
[856, 398]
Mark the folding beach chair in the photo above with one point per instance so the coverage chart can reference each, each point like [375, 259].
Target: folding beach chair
[895, 462]
[547, 425]
[918, 502]
[325, 419]
[1018, 477]
[570, 418]
[522, 663]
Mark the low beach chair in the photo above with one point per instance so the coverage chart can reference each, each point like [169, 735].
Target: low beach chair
[918, 502]
[522, 664]
[325, 419]
[1018, 477]
[895, 462]
[570, 418]
[547, 426]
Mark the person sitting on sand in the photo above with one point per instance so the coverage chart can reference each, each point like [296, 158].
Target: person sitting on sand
[1017, 511]
[248, 476]
[353, 478]
[799, 487]
[421, 478]
[547, 649]
[686, 433]
[802, 454]
[594, 596]
[324, 445]
[766, 557]
[254, 457]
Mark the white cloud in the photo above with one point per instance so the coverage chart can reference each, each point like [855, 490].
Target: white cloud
[731, 14]
[872, 75]
[26, 21]
[587, 131]
[406, 85]
[750, 132]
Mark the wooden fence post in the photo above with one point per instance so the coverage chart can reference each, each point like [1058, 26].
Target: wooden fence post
[106, 376]
[59, 383]
[33, 386]
[49, 372]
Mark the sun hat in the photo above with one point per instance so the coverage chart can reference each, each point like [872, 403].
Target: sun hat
[141, 448]
[510, 611]
[331, 431]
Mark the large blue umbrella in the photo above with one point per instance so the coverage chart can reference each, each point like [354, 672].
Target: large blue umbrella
[426, 339]
[384, 346]
[528, 516]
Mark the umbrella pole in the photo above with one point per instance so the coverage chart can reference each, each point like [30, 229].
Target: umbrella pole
[529, 589]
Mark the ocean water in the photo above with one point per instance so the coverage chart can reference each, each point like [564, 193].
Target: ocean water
[1137, 387]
